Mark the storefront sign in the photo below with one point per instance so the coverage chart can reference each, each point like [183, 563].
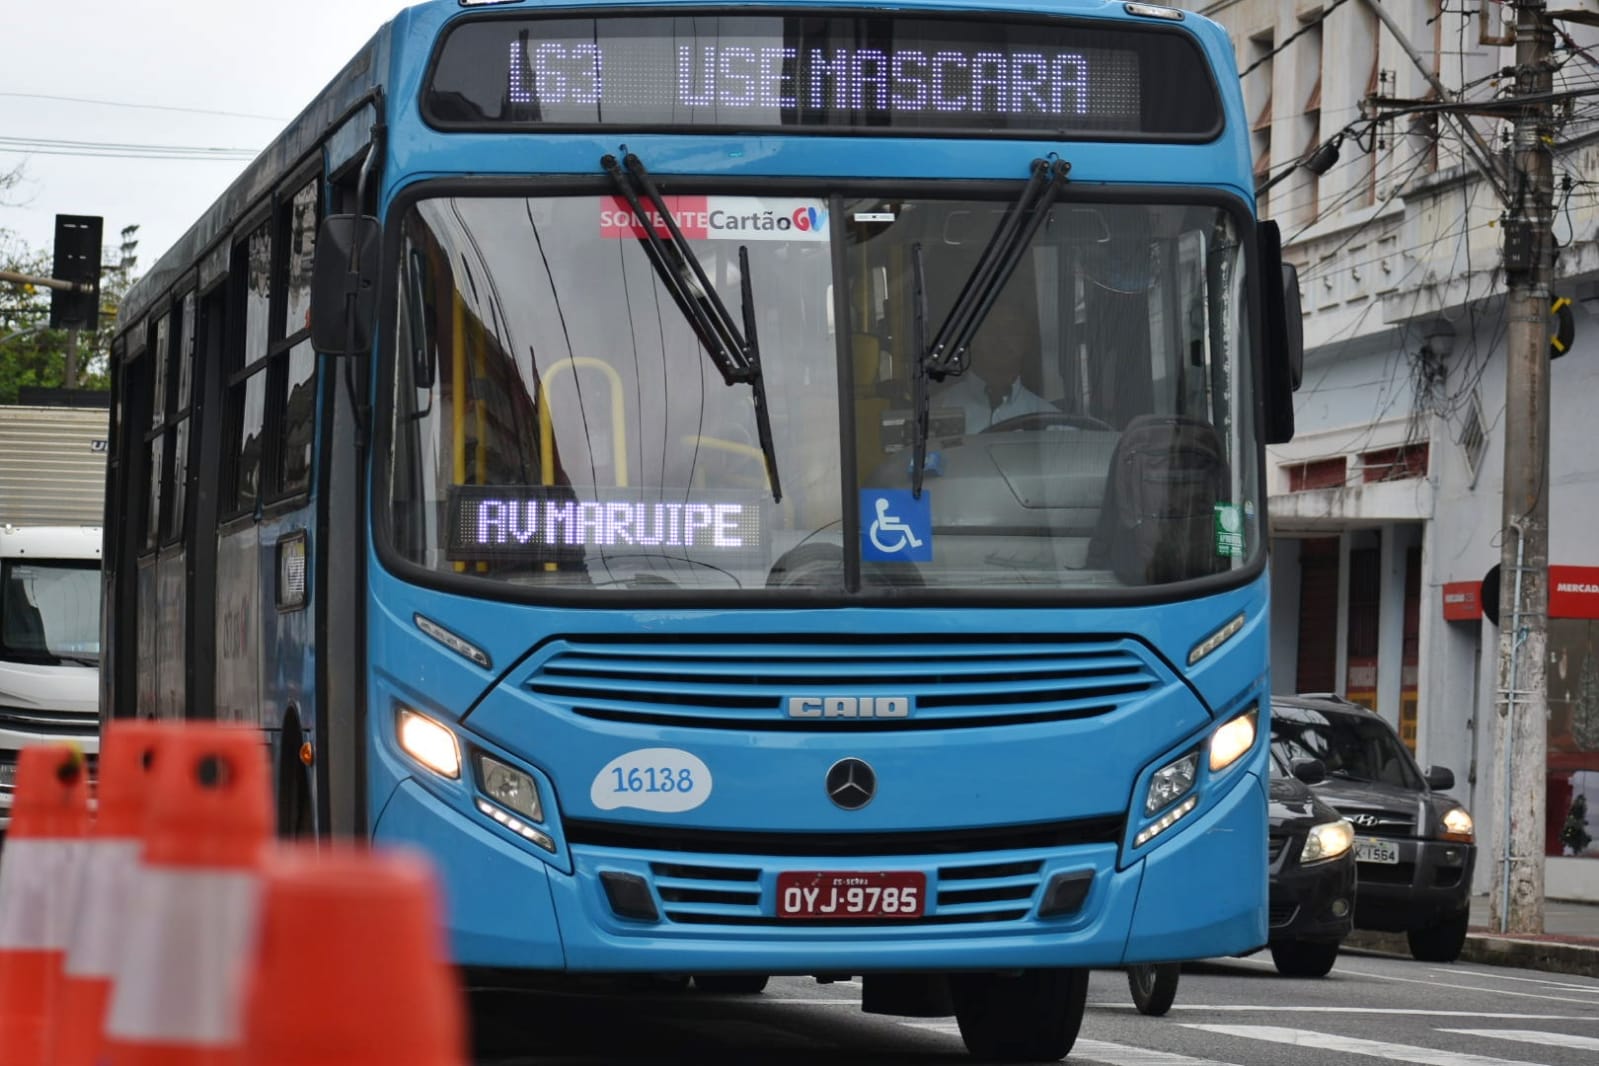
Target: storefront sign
[1462, 601]
[1574, 592]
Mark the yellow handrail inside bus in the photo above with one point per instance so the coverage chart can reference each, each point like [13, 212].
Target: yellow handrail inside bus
[618, 416]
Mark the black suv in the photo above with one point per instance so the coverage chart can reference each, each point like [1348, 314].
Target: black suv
[1414, 846]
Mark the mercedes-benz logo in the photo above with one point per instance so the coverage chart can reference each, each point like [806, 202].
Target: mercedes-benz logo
[851, 784]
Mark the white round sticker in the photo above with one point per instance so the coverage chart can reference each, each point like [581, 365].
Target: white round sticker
[652, 779]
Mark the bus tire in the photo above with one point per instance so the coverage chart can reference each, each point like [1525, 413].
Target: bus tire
[1032, 1016]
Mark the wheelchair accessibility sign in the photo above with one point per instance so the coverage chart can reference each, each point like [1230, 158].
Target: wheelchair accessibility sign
[896, 527]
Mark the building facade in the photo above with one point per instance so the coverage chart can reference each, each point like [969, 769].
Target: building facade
[1386, 507]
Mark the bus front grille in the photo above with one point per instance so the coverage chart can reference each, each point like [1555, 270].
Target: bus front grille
[753, 683]
[978, 891]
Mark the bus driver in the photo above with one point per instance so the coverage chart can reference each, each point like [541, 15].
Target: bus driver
[993, 388]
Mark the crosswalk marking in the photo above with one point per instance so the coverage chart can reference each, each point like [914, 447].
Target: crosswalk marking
[1548, 982]
[1306, 1008]
[1084, 1051]
[1464, 988]
[1533, 1036]
[1124, 1055]
[1356, 1045]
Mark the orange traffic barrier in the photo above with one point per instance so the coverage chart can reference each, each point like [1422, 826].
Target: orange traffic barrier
[101, 902]
[351, 968]
[49, 816]
[177, 994]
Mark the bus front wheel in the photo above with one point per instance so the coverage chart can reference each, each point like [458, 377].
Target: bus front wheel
[1032, 1016]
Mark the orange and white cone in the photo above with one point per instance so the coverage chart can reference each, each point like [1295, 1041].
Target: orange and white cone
[101, 901]
[359, 939]
[176, 997]
[49, 816]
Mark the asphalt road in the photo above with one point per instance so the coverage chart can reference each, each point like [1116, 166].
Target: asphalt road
[1370, 1009]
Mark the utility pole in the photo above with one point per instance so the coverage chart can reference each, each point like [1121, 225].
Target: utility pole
[1521, 742]
[70, 376]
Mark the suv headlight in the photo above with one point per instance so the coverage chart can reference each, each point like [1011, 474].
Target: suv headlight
[1327, 841]
[1458, 826]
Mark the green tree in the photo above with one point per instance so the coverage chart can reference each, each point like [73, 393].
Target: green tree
[32, 354]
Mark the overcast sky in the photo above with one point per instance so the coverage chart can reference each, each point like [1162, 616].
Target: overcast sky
[260, 63]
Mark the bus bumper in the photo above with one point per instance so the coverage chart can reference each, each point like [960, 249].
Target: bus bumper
[507, 907]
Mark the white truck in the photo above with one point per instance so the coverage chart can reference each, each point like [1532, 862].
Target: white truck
[52, 476]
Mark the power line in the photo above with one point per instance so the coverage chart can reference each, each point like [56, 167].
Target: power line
[115, 150]
[143, 107]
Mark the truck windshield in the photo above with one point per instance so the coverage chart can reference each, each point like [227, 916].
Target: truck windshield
[50, 612]
[556, 424]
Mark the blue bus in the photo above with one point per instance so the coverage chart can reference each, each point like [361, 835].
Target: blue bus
[751, 489]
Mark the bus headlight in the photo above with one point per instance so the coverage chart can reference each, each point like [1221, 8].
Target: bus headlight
[1459, 826]
[1232, 740]
[1327, 841]
[1171, 782]
[429, 743]
[509, 787]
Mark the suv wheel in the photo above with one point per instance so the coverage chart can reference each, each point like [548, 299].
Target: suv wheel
[1440, 942]
[1154, 986]
[1304, 958]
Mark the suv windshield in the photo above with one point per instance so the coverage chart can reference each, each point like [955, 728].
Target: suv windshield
[1349, 745]
[50, 612]
[556, 422]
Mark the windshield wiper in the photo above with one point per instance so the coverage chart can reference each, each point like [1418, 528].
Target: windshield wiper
[948, 354]
[735, 354]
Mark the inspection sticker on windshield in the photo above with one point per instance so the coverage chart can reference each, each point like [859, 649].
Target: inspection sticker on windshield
[720, 218]
[1229, 530]
[667, 780]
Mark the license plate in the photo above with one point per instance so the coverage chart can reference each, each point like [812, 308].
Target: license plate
[1383, 851]
[852, 895]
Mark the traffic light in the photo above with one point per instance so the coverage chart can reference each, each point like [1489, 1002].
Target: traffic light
[77, 260]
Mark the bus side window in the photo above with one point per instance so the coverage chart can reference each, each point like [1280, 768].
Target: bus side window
[251, 291]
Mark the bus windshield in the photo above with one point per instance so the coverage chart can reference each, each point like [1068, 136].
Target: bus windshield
[556, 422]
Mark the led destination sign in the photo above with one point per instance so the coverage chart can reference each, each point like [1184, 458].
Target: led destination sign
[885, 74]
[552, 525]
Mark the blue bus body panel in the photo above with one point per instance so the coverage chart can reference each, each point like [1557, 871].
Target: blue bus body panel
[1176, 896]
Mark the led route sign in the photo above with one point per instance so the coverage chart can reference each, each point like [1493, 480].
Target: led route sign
[883, 74]
[915, 81]
[553, 525]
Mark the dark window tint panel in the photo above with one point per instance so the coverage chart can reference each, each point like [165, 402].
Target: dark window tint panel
[299, 420]
[258, 296]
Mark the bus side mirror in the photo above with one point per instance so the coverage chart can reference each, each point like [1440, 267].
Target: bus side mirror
[1294, 340]
[1284, 357]
[344, 284]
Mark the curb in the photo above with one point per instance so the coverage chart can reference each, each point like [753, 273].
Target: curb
[1550, 956]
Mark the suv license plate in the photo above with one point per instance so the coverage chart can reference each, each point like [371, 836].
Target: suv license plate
[1383, 851]
[803, 894]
